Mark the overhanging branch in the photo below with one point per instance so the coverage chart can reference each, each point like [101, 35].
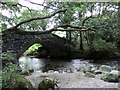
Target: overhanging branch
[39, 18]
[14, 5]
[72, 28]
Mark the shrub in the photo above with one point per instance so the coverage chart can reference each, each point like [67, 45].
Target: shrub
[7, 57]
[102, 45]
[101, 50]
[11, 78]
[8, 73]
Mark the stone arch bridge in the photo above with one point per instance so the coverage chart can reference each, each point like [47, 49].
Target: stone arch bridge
[17, 43]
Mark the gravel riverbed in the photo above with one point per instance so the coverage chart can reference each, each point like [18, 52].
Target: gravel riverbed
[72, 80]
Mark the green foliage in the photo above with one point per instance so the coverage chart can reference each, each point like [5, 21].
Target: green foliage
[11, 77]
[8, 75]
[13, 80]
[34, 25]
[32, 48]
[7, 57]
[102, 45]
[21, 82]
[101, 50]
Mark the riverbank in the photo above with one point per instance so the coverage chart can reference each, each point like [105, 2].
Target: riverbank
[71, 80]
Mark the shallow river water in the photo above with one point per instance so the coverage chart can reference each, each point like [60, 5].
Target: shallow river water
[46, 64]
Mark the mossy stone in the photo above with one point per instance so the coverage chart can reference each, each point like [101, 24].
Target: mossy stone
[88, 74]
[105, 69]
[110, 77]
[47, 83]
[84, 69]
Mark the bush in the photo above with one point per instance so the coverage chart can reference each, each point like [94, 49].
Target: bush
[11, 78]
[101, 50]
[8, 73]
[102, 45]
[7, 57]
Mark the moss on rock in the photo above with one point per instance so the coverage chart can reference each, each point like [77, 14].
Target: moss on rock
[47, 83]
[88, 74]
[110, 77]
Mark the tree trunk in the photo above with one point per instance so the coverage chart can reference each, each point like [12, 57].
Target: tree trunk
[81, 41]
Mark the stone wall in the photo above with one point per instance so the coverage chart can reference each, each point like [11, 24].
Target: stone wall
[18, 43]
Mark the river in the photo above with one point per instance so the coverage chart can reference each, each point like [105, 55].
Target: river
[61, 65]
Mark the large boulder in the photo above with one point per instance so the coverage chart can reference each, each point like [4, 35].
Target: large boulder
[105, 69]
[47, 83]
[115, 72]
[110, 77]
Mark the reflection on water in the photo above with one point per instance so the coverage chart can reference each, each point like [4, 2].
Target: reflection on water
[44, 64]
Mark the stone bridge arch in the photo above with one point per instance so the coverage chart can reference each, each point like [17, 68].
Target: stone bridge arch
[17, 43]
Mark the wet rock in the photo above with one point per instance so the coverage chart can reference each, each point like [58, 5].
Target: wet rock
[56, 72]
[48, 83]
[88, 74]
[110, 77]
[68, 70]
[93, 70]
[115, 72]
[27, 72]
[84, 69]
[97, 72]
[105, 69]
[51, 71]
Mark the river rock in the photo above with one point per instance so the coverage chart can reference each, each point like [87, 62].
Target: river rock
[27, 72]
[110, 77]
[51, 71]
[56, 72]
[105, 69]
[115, 72]
[48, 83]
[97, 72]
[84, 69]
[93, 70]
[88, 74]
